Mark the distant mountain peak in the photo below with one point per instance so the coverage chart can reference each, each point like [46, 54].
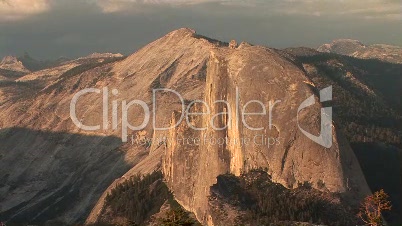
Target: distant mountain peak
[8, 60]
[12, 63]
[355, 48]
[342, 46]
[26, 56]
[33, 64]
[347, 40]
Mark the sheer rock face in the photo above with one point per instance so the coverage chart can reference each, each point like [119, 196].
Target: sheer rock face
[354, 48]
[258, 74]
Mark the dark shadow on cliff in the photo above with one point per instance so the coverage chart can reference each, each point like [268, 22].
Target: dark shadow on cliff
[55, 175]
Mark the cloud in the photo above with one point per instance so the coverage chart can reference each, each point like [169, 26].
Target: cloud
[112, 6]
[108, 6]
[376, 9]
[381, 9]
[19, 9]
[390, 10]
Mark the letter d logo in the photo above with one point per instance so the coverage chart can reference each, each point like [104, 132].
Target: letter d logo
[325, 137]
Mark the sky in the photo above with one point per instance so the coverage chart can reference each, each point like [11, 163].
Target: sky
[48, 29]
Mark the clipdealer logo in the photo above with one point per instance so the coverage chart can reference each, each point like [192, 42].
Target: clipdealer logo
[324, 139]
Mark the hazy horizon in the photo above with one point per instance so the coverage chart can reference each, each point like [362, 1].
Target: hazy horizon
[49, 29]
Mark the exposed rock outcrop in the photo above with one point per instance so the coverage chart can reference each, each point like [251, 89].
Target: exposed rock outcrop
[233, 44]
